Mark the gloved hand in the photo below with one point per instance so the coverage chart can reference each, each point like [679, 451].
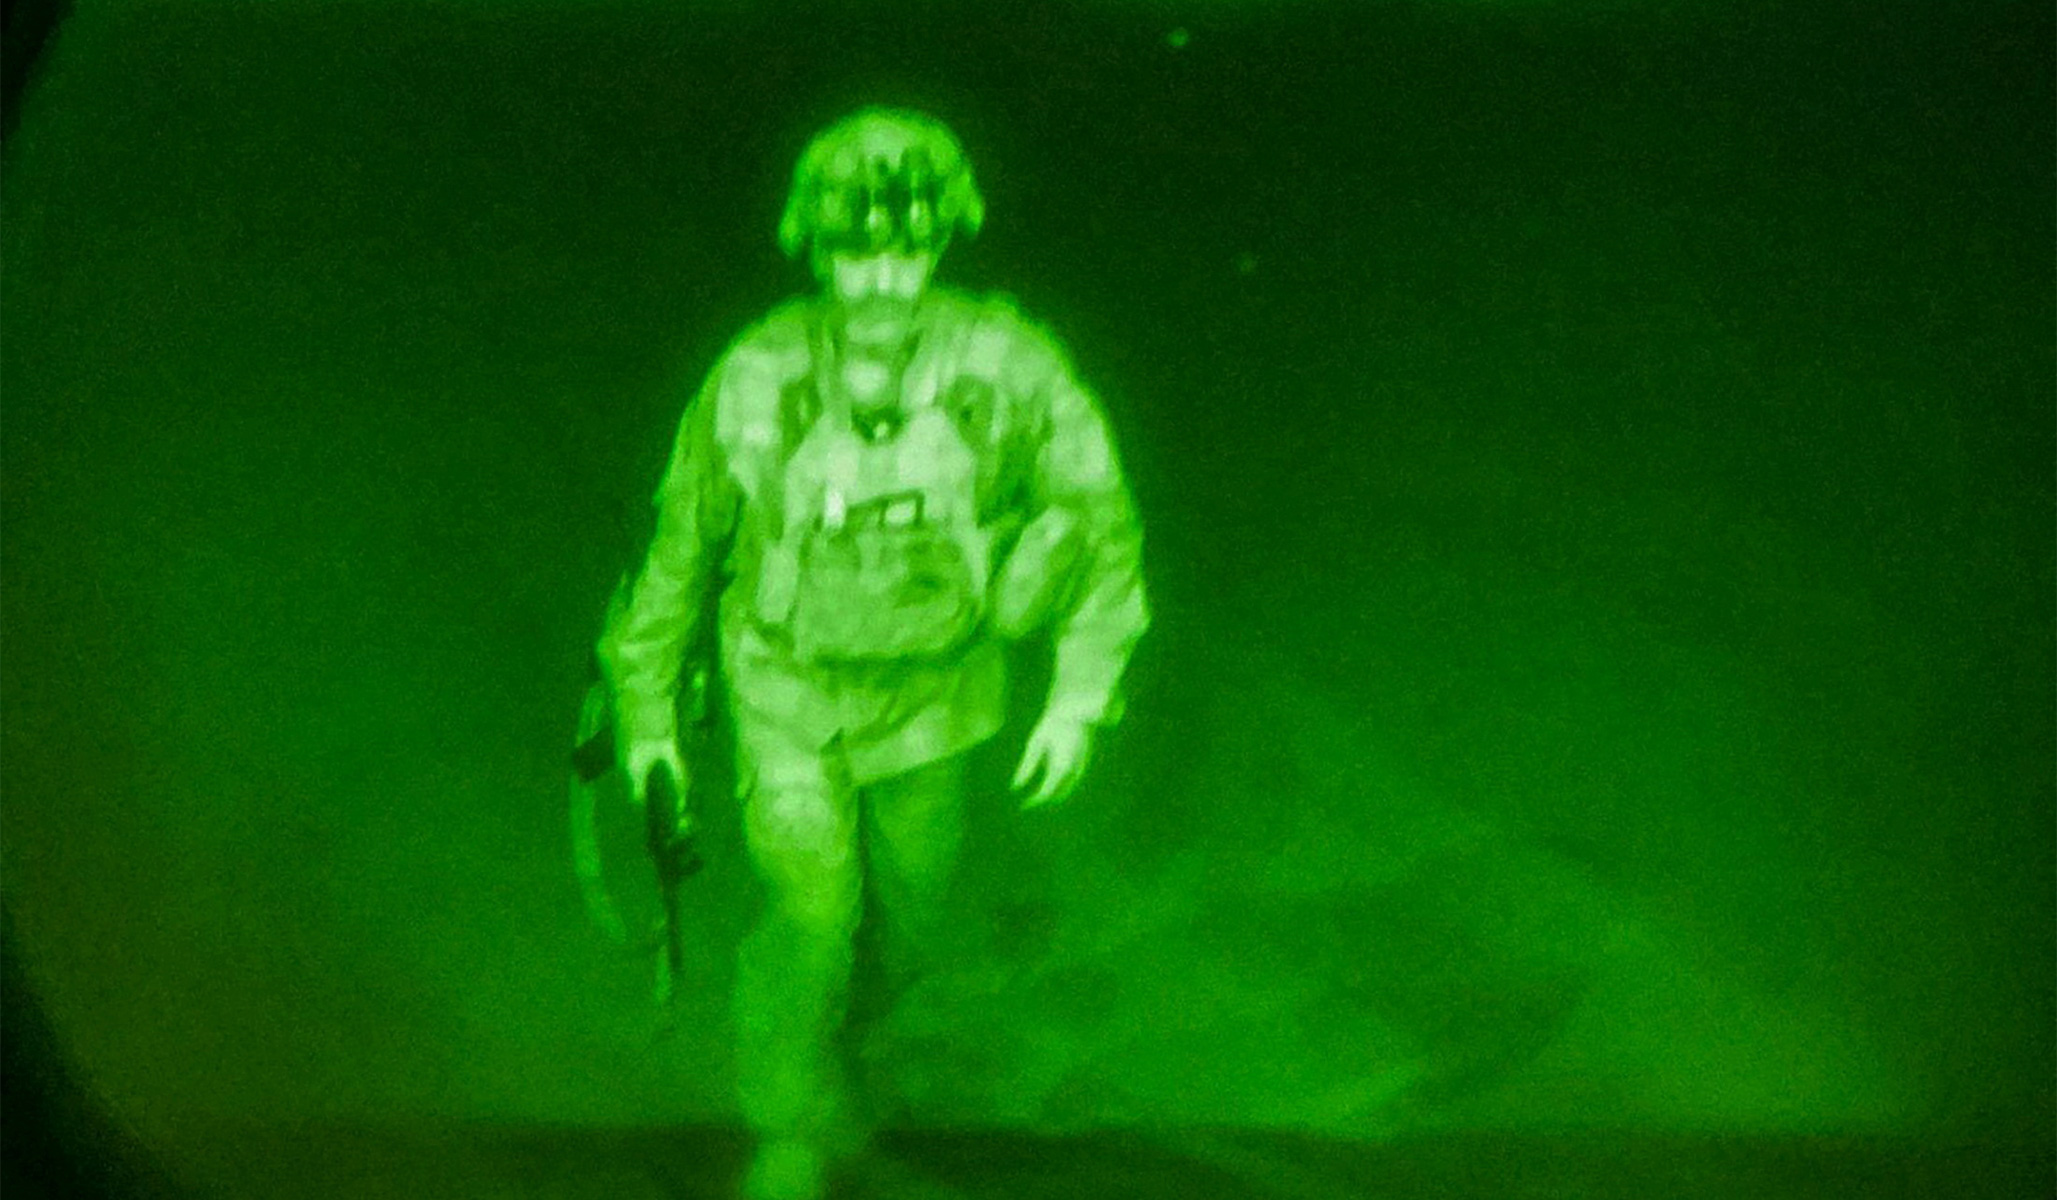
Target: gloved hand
[647, 753]
[1058, 749]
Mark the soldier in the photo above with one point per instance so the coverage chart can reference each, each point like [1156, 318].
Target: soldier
[886, 484]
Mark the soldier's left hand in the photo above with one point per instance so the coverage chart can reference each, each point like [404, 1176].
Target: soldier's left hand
[1059, 748]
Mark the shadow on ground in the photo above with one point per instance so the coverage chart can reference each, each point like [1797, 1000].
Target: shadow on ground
[319, 1163]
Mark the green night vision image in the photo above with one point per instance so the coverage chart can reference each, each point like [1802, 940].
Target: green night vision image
[1300, 601]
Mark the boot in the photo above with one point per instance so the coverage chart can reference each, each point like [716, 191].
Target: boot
[799, 1166]
[786, 1169]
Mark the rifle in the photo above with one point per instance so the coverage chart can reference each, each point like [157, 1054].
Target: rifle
[674, 855]
[672, 850]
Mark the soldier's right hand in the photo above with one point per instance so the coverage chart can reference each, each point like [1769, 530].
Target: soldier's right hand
[643, 755]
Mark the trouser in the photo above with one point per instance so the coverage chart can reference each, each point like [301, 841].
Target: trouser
[810, 832]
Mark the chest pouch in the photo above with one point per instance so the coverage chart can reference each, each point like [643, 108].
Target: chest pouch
[872, 591]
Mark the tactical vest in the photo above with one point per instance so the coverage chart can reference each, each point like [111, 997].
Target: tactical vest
[881, 556]
[886, 546]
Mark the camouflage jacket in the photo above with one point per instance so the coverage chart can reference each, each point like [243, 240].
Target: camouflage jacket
[1040, 442]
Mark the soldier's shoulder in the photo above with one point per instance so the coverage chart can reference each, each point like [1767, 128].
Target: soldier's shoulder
[776, 345]
[1004, 335]
[1001, 312]
[744, 390]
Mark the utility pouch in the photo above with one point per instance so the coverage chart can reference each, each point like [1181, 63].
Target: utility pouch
[869, 592]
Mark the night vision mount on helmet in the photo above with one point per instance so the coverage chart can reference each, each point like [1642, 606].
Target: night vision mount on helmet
[881, 179]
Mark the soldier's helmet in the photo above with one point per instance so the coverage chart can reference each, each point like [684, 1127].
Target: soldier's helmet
[880, 179]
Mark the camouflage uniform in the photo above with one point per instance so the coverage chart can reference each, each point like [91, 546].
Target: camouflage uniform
[997, 432]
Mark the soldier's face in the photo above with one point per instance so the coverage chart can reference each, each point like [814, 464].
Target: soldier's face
[878, 292]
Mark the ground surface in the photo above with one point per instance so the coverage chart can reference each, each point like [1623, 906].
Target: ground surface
[365, 1164]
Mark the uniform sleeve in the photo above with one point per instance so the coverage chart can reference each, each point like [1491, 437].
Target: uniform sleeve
[1078, 468]
[644, 644]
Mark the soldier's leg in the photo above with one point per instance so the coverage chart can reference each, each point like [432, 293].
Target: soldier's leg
[914, 825]
[915, 829]
[793, 969]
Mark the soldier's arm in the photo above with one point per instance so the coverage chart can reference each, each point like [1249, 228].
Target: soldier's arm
[1079, 468]
[643, 647]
